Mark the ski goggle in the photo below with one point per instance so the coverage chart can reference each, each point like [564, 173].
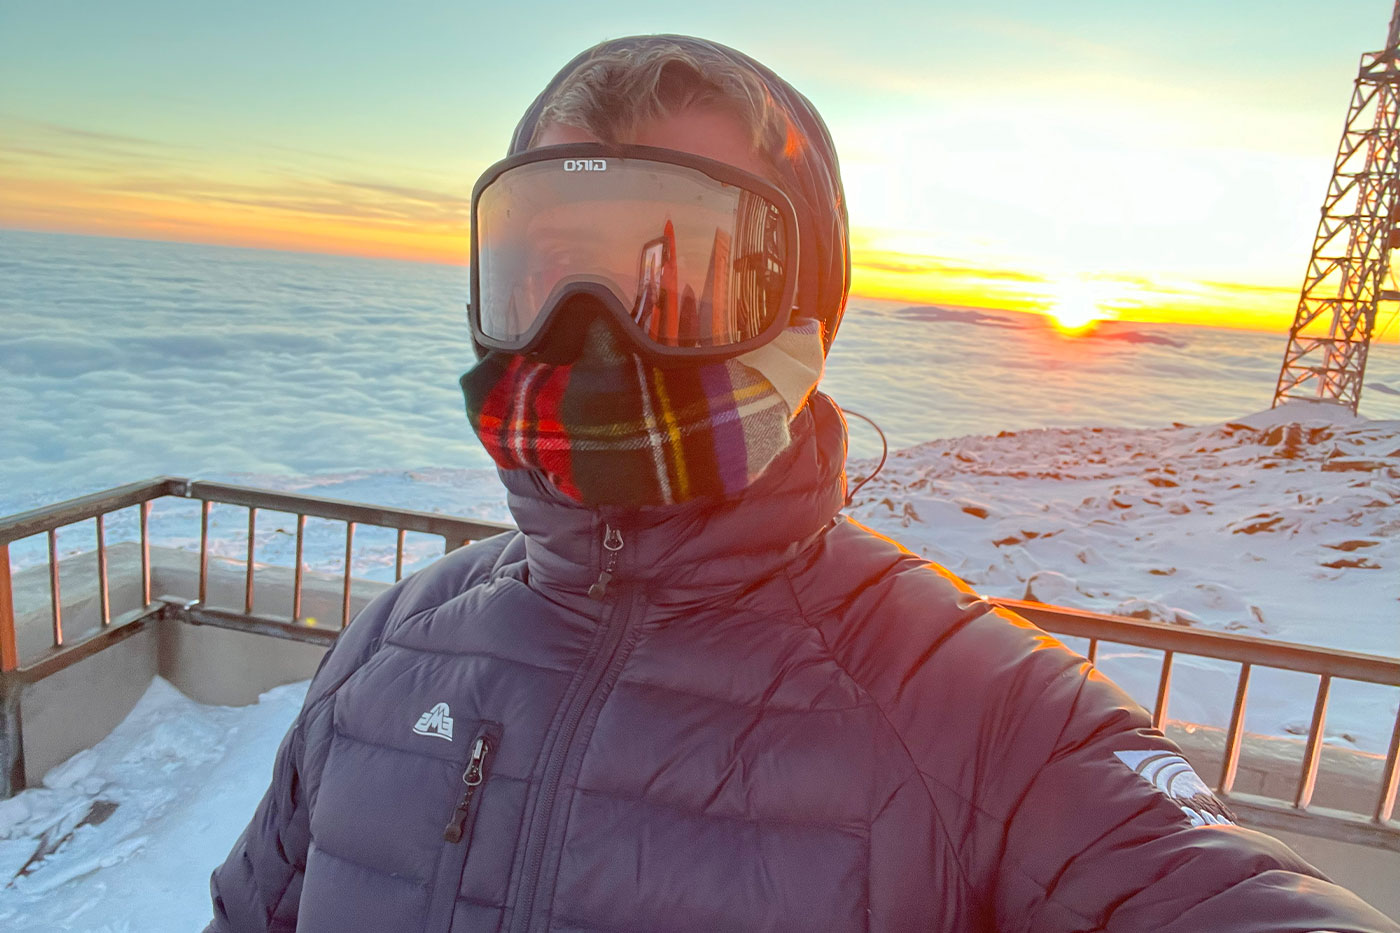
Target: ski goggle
[695, 258]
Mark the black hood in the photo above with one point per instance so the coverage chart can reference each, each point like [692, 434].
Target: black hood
[811, 178]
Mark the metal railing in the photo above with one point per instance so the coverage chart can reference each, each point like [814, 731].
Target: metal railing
[63, 652]
[1376, 828]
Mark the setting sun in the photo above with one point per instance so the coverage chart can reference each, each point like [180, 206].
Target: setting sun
[1078, 307]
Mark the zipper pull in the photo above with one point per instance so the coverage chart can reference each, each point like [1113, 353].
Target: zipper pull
[612, 543]
[457, 826]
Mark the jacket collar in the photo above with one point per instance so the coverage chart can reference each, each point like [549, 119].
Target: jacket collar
[696, 551]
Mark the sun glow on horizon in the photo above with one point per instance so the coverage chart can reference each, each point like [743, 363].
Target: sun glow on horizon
[1079, 305]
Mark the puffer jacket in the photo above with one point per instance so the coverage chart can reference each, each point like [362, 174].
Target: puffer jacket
[755, 716]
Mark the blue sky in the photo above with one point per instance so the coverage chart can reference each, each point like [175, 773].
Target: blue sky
[1079, 142]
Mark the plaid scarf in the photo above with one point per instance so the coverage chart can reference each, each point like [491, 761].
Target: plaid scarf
[610, 429]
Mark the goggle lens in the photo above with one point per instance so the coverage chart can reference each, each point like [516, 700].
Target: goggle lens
[691, 261]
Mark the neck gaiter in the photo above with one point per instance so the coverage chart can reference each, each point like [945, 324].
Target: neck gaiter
[611, 429]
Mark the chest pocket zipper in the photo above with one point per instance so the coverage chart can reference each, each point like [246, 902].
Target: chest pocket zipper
[472, 777]
[457, 835]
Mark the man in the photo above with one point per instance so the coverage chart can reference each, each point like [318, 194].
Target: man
[688, 694]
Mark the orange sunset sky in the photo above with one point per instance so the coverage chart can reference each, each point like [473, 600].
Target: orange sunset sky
[1152, 162]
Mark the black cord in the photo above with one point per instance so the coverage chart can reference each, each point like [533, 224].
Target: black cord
[884, 452]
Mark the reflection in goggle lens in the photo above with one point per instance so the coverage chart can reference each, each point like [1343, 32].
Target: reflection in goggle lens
[739, 295]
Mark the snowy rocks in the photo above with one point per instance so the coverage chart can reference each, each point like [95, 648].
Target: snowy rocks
[973, 508]
[1205, 526]
[1358, 563]
[1051, 587]
[1346, 464]
[1290, 441]
[1254, 524]
[1154, 612]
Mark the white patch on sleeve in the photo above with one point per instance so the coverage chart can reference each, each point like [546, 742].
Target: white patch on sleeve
[1172, 775]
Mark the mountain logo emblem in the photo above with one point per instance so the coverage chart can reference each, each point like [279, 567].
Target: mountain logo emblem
[1173, 776]
[436, 721]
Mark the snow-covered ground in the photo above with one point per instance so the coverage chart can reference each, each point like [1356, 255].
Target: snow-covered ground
[1282, 524]
[134, 825]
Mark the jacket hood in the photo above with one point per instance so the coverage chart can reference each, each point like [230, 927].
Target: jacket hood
[809, 175]
[697, 551]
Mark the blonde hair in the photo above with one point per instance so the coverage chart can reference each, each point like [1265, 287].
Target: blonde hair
[620, 87]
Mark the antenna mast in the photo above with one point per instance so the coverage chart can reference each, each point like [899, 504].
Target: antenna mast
[1351, 253]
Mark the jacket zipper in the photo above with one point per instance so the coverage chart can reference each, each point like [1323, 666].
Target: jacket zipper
[612, 543]
[472, 778]
[617, 623]
[458, 832]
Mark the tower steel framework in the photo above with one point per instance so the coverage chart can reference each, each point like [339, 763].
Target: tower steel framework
[1351, 253]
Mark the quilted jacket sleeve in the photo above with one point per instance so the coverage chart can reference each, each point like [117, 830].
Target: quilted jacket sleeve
[258, 887]
[1088, 818]
[1059, 805]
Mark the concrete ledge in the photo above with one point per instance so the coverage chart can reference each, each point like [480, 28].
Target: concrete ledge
[1270, 766]
[77, 707]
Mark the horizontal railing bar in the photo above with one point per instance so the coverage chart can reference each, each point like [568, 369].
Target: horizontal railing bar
[1226, 646]
[48, 517]
[56, 659]
[1340, 825]
[453, 529]
[196, 614]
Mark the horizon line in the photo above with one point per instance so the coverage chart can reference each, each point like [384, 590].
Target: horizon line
[857, 295]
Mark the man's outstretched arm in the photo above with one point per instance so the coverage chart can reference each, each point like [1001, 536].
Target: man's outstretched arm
[1113, 829]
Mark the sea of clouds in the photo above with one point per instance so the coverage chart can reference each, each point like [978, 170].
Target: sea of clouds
[123, 359]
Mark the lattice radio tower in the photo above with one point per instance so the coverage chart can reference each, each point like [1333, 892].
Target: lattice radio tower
[1351, 253]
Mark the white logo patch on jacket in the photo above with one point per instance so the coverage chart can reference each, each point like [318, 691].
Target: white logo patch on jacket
[436, 721]
[1172, 775]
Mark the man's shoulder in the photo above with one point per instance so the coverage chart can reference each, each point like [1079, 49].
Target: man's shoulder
[914, 635]
[445, 579]
[457, 570]
[869, 584]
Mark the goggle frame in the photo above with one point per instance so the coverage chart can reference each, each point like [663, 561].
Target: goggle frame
[578, 284]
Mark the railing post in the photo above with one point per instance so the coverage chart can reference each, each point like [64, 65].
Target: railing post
[146, 552]
[1390, 777]
[349, 557]
[398, 556]
[297, 573]
[9, 647]
[204, 507]
[11, 737]
[1229, 763]
[1164, 691]
[103, 591]
[54, 594]
[248, 579]
[1307, 781]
